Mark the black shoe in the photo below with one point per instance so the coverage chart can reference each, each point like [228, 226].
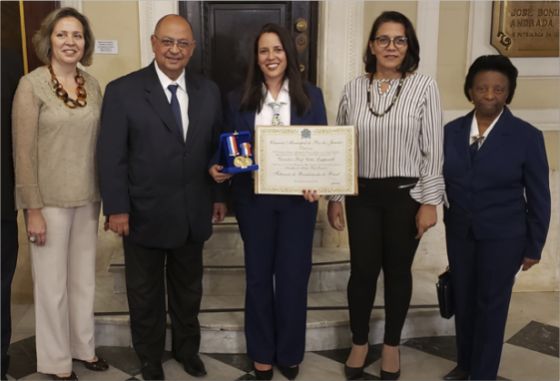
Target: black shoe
[194, 366]
[392, 375]
[289, 373]
[152, 371]
[96, 366]
[457, 374]
[72, 376]
[353, 373]
[264, 374]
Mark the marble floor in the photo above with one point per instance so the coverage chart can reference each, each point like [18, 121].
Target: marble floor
[531, 352]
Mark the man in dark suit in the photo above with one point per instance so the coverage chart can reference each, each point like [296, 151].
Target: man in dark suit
[159, 129]
[12, 70]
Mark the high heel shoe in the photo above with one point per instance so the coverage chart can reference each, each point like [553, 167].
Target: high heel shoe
[289, 373]
[392, 375]
[355, 373]
[263, 374]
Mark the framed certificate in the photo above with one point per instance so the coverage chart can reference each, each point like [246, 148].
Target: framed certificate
[294, 158]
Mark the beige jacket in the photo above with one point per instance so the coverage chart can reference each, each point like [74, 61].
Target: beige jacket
[54, 146]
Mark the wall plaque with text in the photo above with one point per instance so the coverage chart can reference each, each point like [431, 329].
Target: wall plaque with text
[525, 28]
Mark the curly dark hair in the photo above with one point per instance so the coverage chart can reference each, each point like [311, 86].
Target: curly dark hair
[412, 57]
[495, 62]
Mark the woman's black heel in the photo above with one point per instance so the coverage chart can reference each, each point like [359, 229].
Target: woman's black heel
[392, 375]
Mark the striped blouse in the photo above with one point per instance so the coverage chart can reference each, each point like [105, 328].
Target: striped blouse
[405, 142]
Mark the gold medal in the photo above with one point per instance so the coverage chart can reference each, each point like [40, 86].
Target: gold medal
[248, 161]
[240, 162]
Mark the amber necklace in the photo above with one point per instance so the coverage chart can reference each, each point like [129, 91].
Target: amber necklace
[62, 94]
[369, 97]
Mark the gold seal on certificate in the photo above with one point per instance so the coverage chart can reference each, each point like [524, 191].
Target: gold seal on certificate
[294, 158]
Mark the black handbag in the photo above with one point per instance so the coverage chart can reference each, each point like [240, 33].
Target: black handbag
[445, 295]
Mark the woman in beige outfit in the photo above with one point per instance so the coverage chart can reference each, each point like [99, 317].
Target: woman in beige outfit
[56, 115]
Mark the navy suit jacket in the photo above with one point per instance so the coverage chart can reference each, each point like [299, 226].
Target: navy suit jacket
[505, 191]
[146, 168]
[235, 120]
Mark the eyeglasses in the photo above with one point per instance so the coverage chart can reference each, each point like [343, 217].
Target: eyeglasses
[169, 43]
[384, 41]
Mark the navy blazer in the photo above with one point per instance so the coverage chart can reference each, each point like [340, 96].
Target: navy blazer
[505, 191]
[148, 170]
[235, 120]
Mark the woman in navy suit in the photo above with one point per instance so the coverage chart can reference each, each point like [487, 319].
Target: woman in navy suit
[277, 231]
[496, 177]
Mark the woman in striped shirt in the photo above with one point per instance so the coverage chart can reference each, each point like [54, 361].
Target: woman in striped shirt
[398, 118]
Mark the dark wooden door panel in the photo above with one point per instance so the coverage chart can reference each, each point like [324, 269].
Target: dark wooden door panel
[231, 32]
[225, 32]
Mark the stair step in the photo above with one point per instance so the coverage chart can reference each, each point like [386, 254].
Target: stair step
[222, 318]
[224, 271]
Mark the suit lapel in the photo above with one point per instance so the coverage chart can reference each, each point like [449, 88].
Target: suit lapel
[196, 105]
[294, 118]
[249, 118]
[158, 100]
[462, 138]
[497, 137]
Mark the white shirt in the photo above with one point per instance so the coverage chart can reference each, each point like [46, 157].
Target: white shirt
[264, 118]
[182, 95]
[474, 130]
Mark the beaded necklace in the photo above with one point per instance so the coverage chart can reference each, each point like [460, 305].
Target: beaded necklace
[62, 94]
[369, 97]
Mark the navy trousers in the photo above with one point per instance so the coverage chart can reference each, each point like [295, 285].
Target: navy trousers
[277, 233]
[483, 273]
[9, 260]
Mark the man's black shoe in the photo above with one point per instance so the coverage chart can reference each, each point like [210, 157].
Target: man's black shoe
[194, 366]
[457, 374]
[152, 371]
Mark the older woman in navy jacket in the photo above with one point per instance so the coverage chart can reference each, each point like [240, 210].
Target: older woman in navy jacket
[277, 231]
[496, 176]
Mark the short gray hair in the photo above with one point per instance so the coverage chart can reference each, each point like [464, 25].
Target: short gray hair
[42, 39]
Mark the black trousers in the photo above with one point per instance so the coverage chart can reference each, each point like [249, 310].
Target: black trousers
[381, 231]
[9, 260]
[144, 270]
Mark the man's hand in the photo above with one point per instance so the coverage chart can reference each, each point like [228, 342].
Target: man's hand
[528, 263]
[220, 211]
[425, 219]
[335, 213]
[118, 223]
[218, 176]
[311, 196]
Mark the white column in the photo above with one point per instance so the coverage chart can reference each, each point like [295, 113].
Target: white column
[427, 28]
[77, 5]
[149, 13]
[340, 49]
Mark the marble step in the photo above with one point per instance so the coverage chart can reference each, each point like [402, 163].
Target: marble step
[224, 272]
[221, 318]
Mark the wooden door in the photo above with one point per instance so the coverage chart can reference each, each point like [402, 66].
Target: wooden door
[225, 32]
[31, 13]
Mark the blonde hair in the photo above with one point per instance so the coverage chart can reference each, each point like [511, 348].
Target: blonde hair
[42, 39]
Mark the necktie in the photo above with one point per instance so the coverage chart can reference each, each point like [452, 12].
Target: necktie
[474, 146]
[175, 107]
[276, 120]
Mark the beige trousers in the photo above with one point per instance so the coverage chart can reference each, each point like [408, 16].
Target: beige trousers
[64, 286]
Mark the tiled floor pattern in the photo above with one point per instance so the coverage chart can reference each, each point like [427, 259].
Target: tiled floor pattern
[531, 352]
